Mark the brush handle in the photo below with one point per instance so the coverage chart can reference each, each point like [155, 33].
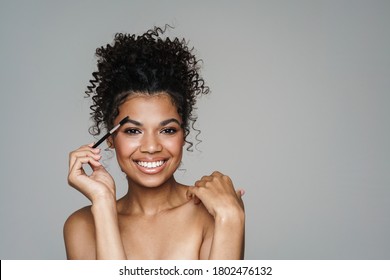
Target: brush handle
[101, 140]
[109, 133]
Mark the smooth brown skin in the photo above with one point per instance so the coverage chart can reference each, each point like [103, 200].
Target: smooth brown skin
[158, 218]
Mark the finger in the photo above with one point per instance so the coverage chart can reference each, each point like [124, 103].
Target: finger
[192, 192]
[79, 155]
[206, 179]
[77, 168]
[217, 174]
[240, 193]
[77, 176]
[200, 183]
[83, 152]
[191, 195]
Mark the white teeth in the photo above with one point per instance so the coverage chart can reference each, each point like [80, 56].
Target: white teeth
[148, 164]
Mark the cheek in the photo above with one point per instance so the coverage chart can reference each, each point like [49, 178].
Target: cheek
[125, 147]
[175, 146]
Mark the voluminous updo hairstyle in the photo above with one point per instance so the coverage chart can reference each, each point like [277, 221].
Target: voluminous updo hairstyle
[147, 64]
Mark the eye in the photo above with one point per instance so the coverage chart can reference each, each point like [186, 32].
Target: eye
[132, 131]
[169, 131]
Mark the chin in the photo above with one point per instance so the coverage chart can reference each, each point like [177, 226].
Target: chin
[150, 181]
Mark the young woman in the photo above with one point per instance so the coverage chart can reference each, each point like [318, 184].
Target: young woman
[154, 81]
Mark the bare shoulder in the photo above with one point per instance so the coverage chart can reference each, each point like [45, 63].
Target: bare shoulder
[202, 215]
[205, 223]
[194, 209]
[81, 216]
[79, 235]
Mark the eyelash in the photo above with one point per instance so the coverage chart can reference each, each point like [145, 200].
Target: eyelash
[168, 131]
[132, 131]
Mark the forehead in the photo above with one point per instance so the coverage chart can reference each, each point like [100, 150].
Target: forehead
[144, 106]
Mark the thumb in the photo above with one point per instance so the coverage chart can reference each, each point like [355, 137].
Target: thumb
[191, 195]
[240, 193]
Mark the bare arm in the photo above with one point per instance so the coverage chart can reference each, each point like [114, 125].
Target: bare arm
[102, 220]
[108, 239]
[225, 239]
[228, 238]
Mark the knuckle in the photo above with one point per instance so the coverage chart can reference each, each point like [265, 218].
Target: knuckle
[204, 178]
[200, 191]
[226, 178]
[71, 154]
[70, 179]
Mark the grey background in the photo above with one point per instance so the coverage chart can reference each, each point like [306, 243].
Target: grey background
[298, 116]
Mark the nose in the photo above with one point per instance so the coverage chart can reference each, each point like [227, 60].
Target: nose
[150, 144]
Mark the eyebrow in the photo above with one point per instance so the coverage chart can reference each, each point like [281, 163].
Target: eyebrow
[133, 122]
[163, 123]
[168, 121]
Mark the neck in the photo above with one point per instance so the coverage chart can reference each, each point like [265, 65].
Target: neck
[141, 200]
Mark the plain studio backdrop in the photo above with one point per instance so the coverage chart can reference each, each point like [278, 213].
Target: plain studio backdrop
[298, 116]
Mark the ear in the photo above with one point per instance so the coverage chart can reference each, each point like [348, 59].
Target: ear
[110, 142]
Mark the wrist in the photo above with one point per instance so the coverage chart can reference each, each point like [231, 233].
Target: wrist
[103, 204]
[102, 197]
[231, 216]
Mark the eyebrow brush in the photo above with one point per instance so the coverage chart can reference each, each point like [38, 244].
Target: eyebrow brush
[110, 132]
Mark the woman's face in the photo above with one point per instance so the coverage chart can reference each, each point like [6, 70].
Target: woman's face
[149, 145]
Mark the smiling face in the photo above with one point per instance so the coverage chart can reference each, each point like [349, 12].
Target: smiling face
[149, 145]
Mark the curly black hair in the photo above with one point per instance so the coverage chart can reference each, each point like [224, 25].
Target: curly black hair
[148, 64]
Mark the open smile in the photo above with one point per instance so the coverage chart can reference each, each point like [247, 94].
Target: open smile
[150, 164]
